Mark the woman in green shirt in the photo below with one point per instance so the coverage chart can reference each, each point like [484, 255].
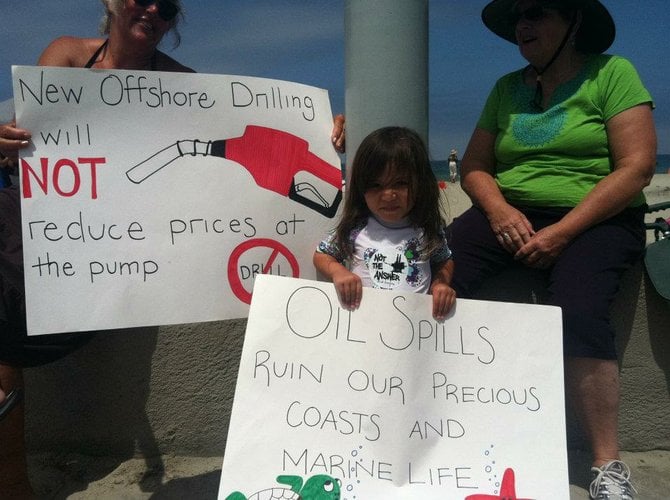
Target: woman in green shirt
[555, 169]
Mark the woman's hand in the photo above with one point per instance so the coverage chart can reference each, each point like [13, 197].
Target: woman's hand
[516, 235]
[511, 227]
[337, 136]
[543, 248]
[11, 140]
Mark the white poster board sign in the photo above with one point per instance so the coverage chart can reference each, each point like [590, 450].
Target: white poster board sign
[156, 198]
[385, 402]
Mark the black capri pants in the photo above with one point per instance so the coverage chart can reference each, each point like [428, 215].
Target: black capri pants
[582, 282]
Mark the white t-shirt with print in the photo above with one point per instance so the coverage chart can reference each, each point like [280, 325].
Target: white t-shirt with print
[387, 258]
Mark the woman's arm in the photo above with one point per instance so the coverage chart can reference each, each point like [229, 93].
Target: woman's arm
[477, 171]
[632, 144]
[477, 179]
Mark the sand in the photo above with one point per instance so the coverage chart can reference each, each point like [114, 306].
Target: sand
[657, 192]
[79, 477]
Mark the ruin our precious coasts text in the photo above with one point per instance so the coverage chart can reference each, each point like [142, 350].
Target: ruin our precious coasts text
[410, 333]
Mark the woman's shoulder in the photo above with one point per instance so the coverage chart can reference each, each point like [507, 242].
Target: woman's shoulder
[611, 62]
[69, 51]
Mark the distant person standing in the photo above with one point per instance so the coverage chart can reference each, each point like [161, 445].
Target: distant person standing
[452, 161]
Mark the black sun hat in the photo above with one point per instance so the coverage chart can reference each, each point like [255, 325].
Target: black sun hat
[595, 35]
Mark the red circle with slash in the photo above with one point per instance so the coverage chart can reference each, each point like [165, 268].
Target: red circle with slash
[277, 249]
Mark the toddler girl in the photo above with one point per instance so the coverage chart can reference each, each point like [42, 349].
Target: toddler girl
[391, 234]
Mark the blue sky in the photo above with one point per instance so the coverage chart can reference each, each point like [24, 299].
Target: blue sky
[303, 41]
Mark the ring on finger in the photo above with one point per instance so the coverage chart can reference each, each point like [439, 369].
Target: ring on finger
[506, 236]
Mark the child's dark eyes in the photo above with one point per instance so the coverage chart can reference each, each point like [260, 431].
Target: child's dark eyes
[399, 184]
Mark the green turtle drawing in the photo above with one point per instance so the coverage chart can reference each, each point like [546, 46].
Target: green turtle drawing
[319, 487]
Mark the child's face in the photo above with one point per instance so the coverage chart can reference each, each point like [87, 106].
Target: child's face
[388, 198]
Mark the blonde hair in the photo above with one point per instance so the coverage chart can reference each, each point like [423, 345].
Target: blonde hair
[113, 7]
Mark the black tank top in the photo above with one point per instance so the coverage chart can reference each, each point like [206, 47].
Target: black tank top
[97, 53]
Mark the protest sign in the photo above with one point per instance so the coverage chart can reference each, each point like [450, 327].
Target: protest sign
[156, 198]
[385, 402]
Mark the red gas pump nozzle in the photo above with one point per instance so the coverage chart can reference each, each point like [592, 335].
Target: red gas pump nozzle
[273, 158]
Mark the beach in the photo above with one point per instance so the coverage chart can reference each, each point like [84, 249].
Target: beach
[658, 191]
[80, 477]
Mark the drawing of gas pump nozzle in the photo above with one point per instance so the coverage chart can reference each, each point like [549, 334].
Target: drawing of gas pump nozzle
[278, 161]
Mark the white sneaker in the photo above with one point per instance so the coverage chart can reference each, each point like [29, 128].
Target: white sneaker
[611, 482]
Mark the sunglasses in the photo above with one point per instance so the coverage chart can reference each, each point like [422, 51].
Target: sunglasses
[534, 13]
[166, 9]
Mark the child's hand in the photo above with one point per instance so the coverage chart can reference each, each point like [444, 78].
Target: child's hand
[347, 284]
[349, 288]
[443, 299]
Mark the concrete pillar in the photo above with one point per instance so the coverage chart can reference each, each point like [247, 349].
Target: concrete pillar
[386, 67]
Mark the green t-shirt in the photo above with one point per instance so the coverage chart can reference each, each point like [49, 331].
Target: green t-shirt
[555, 157]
